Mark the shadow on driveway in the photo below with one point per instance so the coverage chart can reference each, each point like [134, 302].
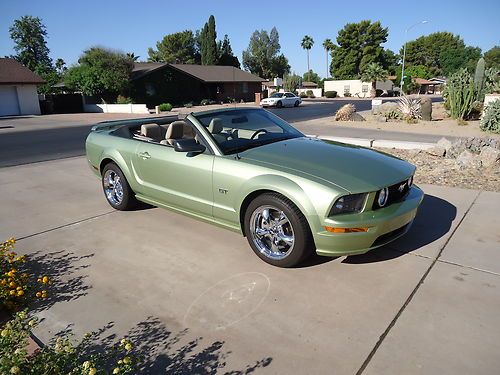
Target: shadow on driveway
[433, 221]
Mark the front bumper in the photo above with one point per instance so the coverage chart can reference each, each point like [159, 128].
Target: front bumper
[385, 225]
[267, 104]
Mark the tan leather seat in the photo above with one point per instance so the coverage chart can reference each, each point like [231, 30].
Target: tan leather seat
[215, 128]
[151, 131]
[174, 131]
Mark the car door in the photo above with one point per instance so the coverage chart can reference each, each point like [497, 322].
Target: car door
[290, 99]
[177, 179]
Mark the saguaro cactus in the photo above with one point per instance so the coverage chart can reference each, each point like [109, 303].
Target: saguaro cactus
[479, 79]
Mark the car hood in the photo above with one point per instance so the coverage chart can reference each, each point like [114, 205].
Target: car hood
[355, 169]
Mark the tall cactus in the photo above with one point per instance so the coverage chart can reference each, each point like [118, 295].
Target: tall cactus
[479, 79]
[460, 93]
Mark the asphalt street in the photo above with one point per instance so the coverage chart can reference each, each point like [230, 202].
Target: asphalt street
[39, 143]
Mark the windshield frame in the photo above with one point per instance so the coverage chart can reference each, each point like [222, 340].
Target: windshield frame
[291, 132]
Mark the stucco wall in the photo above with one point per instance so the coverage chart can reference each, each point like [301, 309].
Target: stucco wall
[28, 100]
[318, 93]
[356, 87]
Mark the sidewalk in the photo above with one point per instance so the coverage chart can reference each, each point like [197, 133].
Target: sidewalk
[426, 304]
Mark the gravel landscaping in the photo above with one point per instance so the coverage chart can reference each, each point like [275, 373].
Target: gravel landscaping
[471, 163]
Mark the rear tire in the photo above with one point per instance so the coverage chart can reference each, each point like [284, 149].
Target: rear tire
[277, 231]
[279, 104]
[116, 188]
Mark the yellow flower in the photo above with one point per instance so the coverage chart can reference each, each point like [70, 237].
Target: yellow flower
[123, 341]
[116, 370]
[86, 365]
[12, 284]
[128, 347]
[45, 279]
[14, 370]
[12, 292]
[38, 294]
[92, 371]
[31, 323]
[20, 293]
[4, 333]
[126, 360]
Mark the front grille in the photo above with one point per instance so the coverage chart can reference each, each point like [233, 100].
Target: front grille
[395, 195]
[388, 237]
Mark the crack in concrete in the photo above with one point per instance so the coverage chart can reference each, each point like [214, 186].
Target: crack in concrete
[412, 294]
[65, 225]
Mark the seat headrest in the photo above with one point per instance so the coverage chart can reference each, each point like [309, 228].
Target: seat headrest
[215, 126]
[175, 130]
[151, 131]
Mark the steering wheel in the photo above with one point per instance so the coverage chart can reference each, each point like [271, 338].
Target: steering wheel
[257, 132]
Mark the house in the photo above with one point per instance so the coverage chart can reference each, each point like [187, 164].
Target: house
[18, 95]
[155, 83]
[357, 88]
[426, 86]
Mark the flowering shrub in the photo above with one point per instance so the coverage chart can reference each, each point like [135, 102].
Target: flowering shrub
[62, 357]
[17, 285]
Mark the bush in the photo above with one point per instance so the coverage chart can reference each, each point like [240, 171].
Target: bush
[378, 92]
[188, 105]
[303, 95]
[331, 94]
[310, 94]
[410, 108]
[165, 107]
[61, 357]
[17, 286]
[345, 113]
[393, 114]
[491, 118]
[123, 100]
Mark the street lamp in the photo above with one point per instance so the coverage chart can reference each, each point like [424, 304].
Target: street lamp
[404, 51]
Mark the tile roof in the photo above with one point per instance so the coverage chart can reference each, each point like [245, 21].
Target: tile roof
[13, 72]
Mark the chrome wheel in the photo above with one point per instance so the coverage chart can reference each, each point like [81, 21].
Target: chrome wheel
[113, 187]
[272, 232]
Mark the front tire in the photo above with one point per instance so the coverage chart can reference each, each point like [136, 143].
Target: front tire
[296, 103]
[277, 231]
[279, 104]
[116, 188]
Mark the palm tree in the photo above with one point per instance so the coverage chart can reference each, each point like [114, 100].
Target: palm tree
[307, 43]
[328, 46]
[373, 72]
[132, 57]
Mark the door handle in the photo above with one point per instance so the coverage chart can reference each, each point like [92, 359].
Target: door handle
[144, 155]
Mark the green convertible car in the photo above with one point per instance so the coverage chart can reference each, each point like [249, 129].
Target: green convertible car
[248, 170]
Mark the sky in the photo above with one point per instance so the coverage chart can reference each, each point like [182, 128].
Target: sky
[133, 26]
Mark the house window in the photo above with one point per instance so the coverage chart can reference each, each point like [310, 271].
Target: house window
[347, 89]
[364, 88]
[244, 87]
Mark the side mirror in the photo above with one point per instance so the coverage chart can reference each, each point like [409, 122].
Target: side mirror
[188, 145]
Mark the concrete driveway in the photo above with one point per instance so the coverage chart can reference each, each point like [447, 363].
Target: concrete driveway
[195, 299]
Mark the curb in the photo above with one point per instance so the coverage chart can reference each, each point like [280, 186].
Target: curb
[383, 143]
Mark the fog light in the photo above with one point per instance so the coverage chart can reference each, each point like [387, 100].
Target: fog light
[383, 195]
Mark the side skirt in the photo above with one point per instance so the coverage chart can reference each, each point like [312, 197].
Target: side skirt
[206, 219]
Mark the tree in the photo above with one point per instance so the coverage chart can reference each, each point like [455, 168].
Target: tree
[291, 82]
[358, 45]
[373, 72]
[208, 43]
[492, 57]
[28, 34]
[390, 61]
[132, 57]
[453, 59]
[101, 72]
[60, 66]
[310, 76]
[262, 56]
[225, 53]
[328, 46]
[176, 48]
[442, 53]
[307, 43]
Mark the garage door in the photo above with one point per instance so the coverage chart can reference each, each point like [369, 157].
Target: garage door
[9, 104]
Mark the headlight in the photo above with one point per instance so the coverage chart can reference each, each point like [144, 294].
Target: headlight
[349, 204]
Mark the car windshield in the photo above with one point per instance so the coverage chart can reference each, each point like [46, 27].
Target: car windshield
[241, 129]
[276, 95]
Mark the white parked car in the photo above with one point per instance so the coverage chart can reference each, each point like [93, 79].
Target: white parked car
[281, 99]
